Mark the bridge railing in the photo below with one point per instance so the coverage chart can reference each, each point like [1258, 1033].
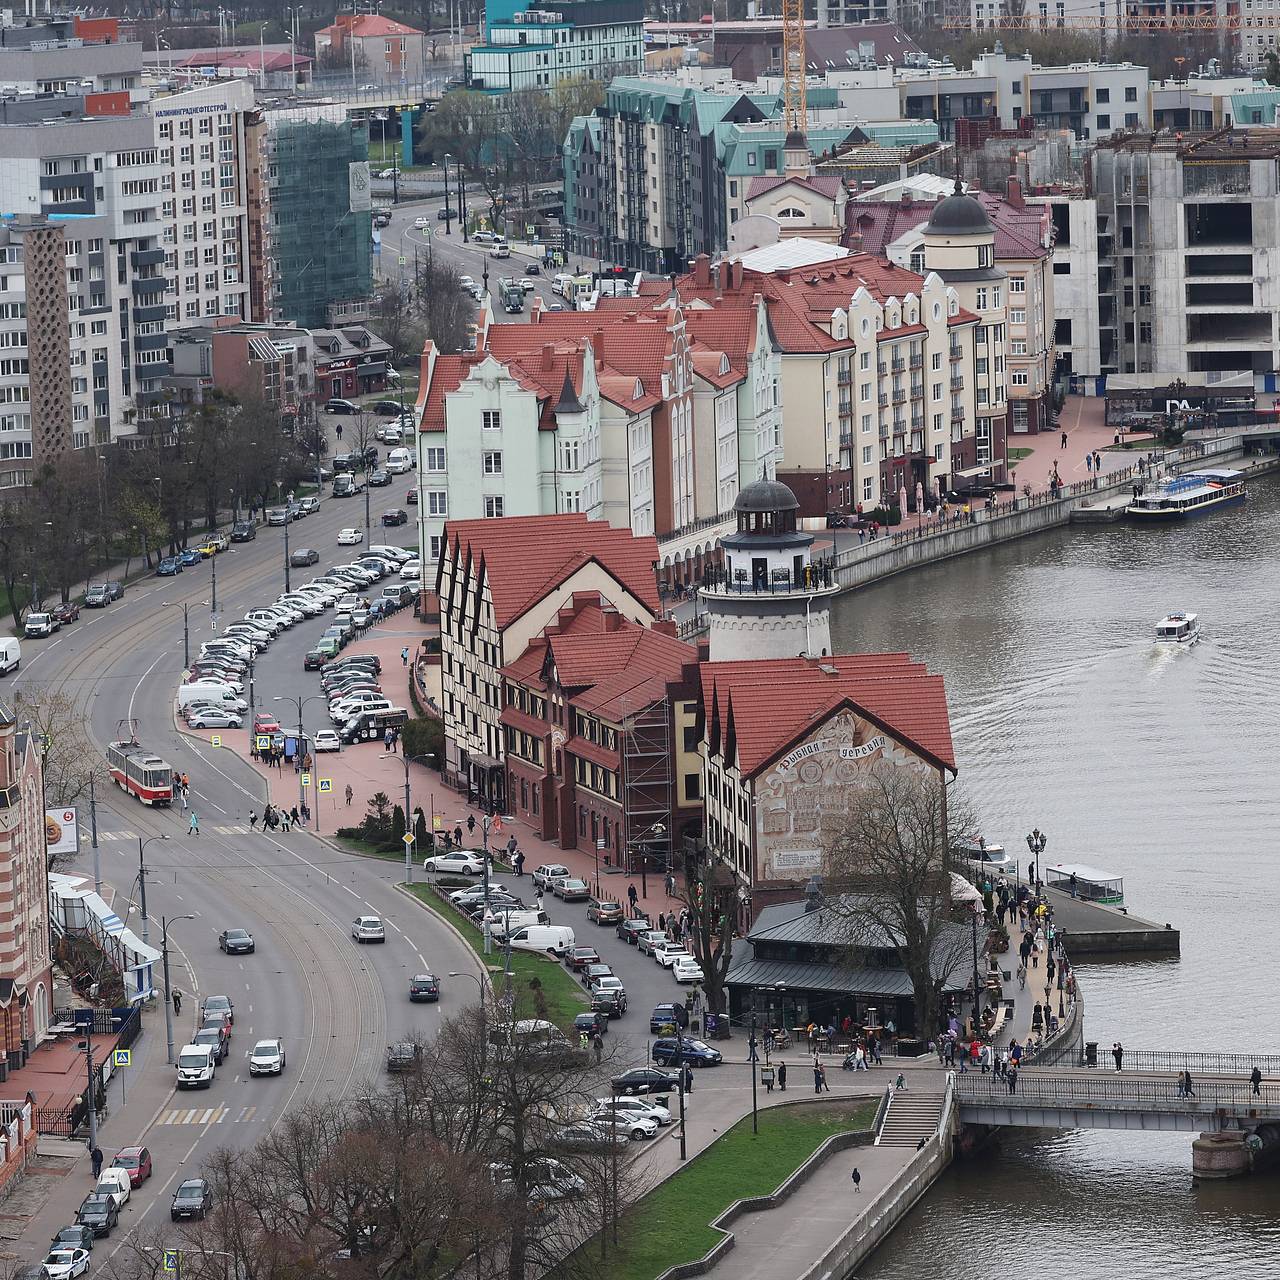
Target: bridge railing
[1199, 1064]
[1113, 1092]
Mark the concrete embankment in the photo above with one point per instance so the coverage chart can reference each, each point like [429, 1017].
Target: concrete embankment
[1092, 929]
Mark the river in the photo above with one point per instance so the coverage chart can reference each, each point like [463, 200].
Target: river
[1158, 764]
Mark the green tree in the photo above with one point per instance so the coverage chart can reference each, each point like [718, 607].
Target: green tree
[397, 825]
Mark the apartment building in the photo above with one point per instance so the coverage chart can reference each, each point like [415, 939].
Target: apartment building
[1176, 248]
[786, 742]
[531, 47]
[879, 372]
[376, 48]
[500, 584]
[895, 223]
[753, 48]
[274, 362]
[645, 414]
[599, 723]
[204, 137]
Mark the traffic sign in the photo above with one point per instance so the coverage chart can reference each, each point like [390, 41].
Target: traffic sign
[122, 1057]
[263, 741]
[400, 260]
[437, 821]
[326, 785]
[216, 740]
[172, 1259]
[306, 779]
[407, 837]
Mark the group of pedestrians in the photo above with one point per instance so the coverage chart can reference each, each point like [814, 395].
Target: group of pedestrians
[279, 818]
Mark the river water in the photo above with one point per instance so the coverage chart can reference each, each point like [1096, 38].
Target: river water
[1161, 765]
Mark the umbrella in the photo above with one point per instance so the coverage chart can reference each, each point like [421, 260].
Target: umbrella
[919, 496]
[902, 501]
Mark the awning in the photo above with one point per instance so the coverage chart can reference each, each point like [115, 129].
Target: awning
[824, 977]
[977, 471]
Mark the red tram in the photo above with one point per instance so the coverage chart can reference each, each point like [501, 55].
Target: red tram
[140, 773]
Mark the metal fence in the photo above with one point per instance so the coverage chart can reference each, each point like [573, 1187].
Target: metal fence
[1199, 1064]
[62, 1122]
[1114, 1091]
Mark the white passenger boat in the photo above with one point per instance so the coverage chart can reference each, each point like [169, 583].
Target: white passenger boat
[1189, 495]
[1178, 628]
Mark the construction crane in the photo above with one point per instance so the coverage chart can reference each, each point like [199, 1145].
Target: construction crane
[794, 93]
[1120, 24]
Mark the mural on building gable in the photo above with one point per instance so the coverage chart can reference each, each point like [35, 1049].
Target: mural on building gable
[802, 798]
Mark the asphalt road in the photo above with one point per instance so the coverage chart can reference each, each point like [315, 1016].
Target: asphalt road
[336, 1004]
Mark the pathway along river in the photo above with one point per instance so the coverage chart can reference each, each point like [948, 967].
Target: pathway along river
[1163, 766]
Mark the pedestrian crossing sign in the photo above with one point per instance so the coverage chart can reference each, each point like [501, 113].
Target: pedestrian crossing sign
[122, 1057]
[306, 779]
[216, 740]
[171, 1259]
[326, 785]
[263, 741]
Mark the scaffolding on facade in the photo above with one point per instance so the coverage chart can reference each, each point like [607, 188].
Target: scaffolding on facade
[647, 782]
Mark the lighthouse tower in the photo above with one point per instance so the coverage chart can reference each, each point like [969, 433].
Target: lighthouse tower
[770, 599]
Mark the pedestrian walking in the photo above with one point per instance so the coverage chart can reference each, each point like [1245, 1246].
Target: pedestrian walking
[1064, 440]
[389, 740]
[294, 820]
[631, 897]
[1117, 1052]
[404, 656]
[817, 1076]
[782, 1076]
[687, 1079]
[284, 822]
[1013, 1080]
[1088, 463]
[471, 826]
[350, 793]
[253, 821]
[537, 901]
[457, 835]
[177, 1001]
[1186, 1083]
[518, 863]
[900, 1084]
[194, 828]
[182, 795]
[1255, 1079]
[1097, 462]
[597, 1041]
[857, 1181]
[669, 885]
[95, 1160]
[511, 849]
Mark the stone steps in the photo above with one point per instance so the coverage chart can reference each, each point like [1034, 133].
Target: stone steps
[910, 1117]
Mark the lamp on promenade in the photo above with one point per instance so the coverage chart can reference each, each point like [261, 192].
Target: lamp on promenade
[1036, 842]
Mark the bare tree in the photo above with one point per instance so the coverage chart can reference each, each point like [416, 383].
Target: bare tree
[710, 898]
[888, 875]
[57, 726]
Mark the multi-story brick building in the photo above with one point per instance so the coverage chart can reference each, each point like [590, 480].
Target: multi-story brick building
[599, 724]
[375, 48]
[500, 584]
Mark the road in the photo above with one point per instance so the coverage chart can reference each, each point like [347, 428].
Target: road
[334, 1003]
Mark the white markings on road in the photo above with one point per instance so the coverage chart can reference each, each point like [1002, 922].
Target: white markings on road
[141, 678]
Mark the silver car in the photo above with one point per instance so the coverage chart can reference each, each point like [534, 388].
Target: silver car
[266, 1058]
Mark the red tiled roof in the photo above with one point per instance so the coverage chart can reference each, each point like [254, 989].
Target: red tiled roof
[446, 376]
[772, 703]
[592, 751]
[526, 557]
[824, 186]
[707, 364]
[368, 24]
[1019, 231]
[248, 59]
[517, 719]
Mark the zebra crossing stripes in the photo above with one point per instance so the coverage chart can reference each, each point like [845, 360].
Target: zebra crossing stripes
[86, 837]
[207, 1115]
[236, 830]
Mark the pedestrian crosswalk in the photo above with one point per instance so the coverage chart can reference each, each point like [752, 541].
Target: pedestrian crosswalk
[235, 830]
[209, 1115]
[86, 837]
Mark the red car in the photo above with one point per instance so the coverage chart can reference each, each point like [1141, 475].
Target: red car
[138, 1162]
[265, 722]
[68, 612]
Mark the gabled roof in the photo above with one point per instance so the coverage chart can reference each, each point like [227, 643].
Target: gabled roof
[828, 187]
[368, 24]
[773, 703]
[1019, 231]
[523, 558]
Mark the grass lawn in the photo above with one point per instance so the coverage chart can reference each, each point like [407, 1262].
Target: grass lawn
[369, 850]
[563, 993]
[672, 1223]
[1017, 455]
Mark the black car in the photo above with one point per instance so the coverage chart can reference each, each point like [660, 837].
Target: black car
[694, 1052]
[191, 1200]
[630, 930]
[379, 479]
[424, 986]
[303, 557]
[244, 531]
[612, 1002]
[115, 590]
[99, 1214]
[397, 515]
[314, 660]
[665, 1016]
[236, 942]
[76, 1237]
[97, 596]
[215, 1038]
[392, 407]
[403, 1057]
[645, 1080]
[590, 1022]
[412, 497]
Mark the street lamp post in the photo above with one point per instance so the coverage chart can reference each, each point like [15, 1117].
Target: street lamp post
[165, 922]
[300, 702]
[754, 1064]
[658, 830]
[448, 212]
[977, 986]
[287, 522]
[142, 884]
[185, 606]
[484, 1012]
[1036, 842]
[409, 848]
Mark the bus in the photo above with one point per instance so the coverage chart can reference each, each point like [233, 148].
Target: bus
[140, 773]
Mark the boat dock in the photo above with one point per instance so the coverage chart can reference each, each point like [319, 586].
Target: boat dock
[1094, 929]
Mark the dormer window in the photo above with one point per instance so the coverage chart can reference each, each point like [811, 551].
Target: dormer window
[984, 255]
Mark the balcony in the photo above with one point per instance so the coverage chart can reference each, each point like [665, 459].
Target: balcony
[899, 396]
[149, 286]
[917, 390]
[898, 366]
[882, 368]
[884, 400]
[846, 408]
[957, 419]
[844, 378]
[957, 354]
[917, 362]
[146, 257]
[957, 384]
[817, 576]
[884, 431]
[917, 423]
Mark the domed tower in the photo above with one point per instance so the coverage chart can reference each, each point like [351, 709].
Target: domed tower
[959, 236]
[770, 599]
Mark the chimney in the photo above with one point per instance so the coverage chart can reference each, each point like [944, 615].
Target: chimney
[1014, 192]
[547, 352]
[598, 342]
[664, 627]
[702, 271]
[855, 242]
[735, 274]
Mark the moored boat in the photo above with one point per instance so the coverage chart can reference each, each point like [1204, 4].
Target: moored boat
[1189, 495]
[1178, 628]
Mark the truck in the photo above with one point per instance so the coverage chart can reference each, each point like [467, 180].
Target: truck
[512, 296]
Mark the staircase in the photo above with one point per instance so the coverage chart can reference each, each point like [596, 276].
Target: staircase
[910, 1117]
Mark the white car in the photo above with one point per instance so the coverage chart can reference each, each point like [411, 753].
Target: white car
[687, 969]
[350, 537]
[466, 282]
[63, 1264]
[634, 1107]
[368, 929]
[398, 554]
[411, 569]
[344, 710]
[456, 860]
[308, 608]
[215, 719]
[667, 953]
[421, 224]
[527, 285]
[271, 621]
[251, 633]
[266, 1058]
[362, 573]
[325, 740]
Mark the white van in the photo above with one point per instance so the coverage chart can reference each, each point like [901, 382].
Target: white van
[513, 920]
[196, 1066]
[10, 656]
[399, 461]
[209, 691]
[528, 1033]
[556, 938]
[114, 1183]
[560, 283]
